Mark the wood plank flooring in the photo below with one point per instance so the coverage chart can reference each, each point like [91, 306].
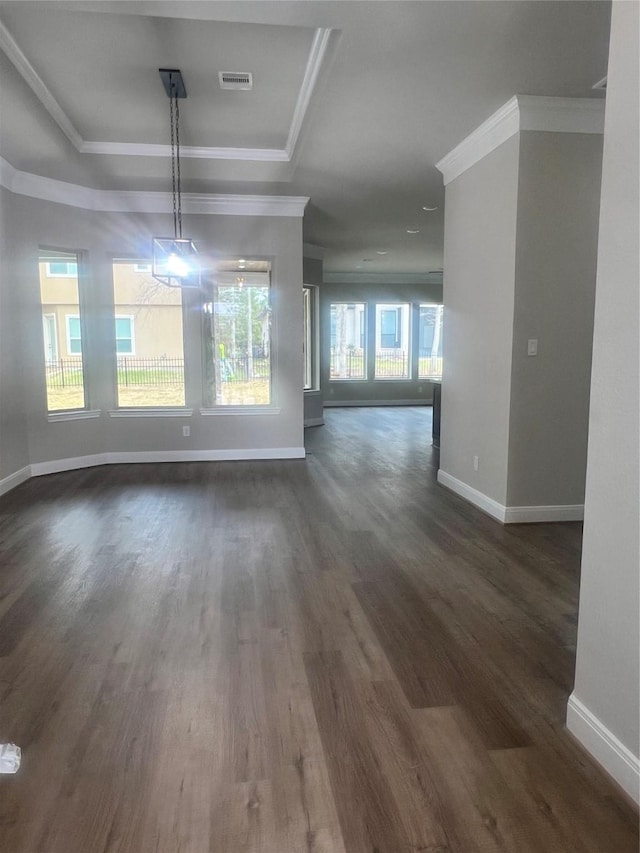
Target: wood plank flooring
[325, 656]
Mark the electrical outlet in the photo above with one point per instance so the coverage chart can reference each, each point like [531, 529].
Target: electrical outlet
[532, 346]
[475, 463]
[186, 431]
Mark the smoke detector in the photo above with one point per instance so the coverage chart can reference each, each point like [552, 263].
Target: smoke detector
[238, 80]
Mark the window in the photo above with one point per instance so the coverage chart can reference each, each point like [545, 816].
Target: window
[310, 340]
[142, 268]
[430, 342]
[237, 335]
[148, 339]
[61, 269]
[74, 335]
[124, 335]
[62, 331]
[393, 346]
[348, 340]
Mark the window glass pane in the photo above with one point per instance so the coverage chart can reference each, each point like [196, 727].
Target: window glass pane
[61, 330]
[393, 325]
[148, 336]
[310, 338]
[348, 340]
[430, 343]
[237, 334]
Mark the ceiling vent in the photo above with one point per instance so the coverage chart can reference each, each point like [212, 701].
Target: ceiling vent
[238, 80]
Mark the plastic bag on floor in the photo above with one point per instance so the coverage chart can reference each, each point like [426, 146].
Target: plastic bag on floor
[9, 758]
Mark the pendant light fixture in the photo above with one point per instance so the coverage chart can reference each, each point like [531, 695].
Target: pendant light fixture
[175, 258]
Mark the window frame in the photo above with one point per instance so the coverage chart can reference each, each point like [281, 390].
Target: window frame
[311, 337]
[437, 305]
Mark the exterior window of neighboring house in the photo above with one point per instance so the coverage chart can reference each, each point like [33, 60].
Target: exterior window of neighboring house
[148, 336]
[74, 334]
[310, 339]
[393, 341]
[61, 269]
[430, 342]
[62, 322]
[124, 336]
[237, 335]
[348, 344]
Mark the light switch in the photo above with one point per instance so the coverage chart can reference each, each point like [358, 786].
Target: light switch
[532, 346]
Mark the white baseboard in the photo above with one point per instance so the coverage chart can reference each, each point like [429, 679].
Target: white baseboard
[118, 458]
[234, 455]
[604, 746]
[15, 479]
[563, 512]
[342, 403]
[55, 466]
[486, 504]
[511, 514]
[309, 422]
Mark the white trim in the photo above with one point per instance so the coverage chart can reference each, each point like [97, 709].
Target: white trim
[31, 77]
[188, 152]
[54, 466]
[527, 514]
[312, 71]
[73, 415]
[113, 201]
[151, 412]
[240, 410]
[316, 57]
[605, 747]
[232, 455]
[482, 501]
[313, 422]
[15, 479]
[382, 278]
[345, 403]
[523, 112]
[511, 514]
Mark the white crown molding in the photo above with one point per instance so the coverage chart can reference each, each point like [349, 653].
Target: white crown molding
[28, 73]
[523, 112]
[31, 77]
[604, 746]
[132, 201]
[312, 71]
[382, 278]
[148, 149]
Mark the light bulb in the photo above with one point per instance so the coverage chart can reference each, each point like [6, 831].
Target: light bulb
[177, 266]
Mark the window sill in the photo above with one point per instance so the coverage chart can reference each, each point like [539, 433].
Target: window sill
[73, 415]
[241, 410]
[310, 391]
[151, 413]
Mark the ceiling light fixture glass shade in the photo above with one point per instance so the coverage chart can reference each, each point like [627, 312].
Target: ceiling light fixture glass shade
[174, 258]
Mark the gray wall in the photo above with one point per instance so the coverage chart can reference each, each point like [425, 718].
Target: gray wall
[104, 236]
[608, 634]
[14, 453]
[336, 392]
[479, 263]
[555, 276]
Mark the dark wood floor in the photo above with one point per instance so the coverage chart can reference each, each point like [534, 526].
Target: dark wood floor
[325, 656]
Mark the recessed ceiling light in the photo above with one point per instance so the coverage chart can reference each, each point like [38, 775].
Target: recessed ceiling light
[358, 266]
[367, 260]
[428, 209]
[381, 253]
[413, 230]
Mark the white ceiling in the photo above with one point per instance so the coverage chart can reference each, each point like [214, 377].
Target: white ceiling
[353, 102]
